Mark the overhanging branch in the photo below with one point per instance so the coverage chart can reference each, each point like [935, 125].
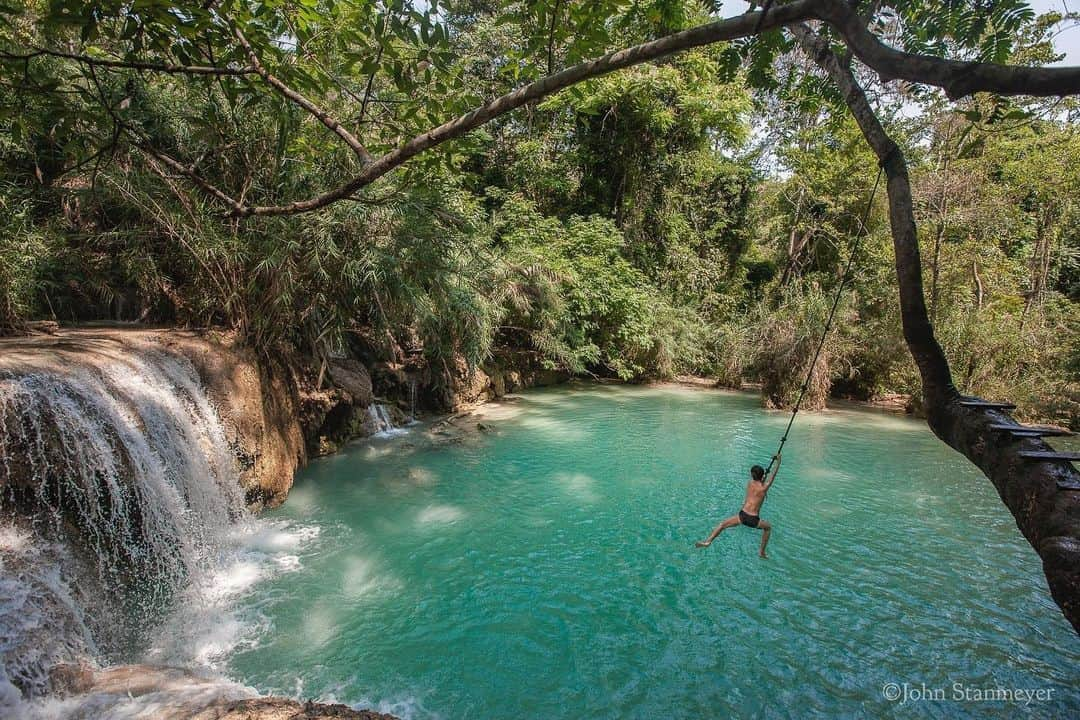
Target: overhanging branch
[955, 77]
[166, 68]
[288, 93]
[730, 29]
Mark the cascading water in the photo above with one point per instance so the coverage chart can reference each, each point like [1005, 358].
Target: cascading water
[41, 621]
[116, 477]
[412, 399]
[381, 422]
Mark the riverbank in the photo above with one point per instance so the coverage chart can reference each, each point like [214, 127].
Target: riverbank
[209, 416]
[129, 455]
[536, 563]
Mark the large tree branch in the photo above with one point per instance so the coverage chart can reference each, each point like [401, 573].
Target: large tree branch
[955, 77]
[1037, 493]
[166, 68]
[285, 91]
[187, 171]
[951, 75]
[737, 27]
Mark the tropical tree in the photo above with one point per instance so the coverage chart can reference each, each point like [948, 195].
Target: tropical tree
[374, 84]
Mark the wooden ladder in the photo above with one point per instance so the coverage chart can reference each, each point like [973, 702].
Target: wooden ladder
[1019, 431]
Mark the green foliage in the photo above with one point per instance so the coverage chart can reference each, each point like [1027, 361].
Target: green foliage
[987, 29]
[611, 318]
[687, 216]
[25, 249]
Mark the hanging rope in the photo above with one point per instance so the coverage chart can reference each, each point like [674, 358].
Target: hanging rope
[832, 313]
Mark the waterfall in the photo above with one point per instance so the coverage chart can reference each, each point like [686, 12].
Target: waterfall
[119, 468]
[41, 622]
[412, 399]
[381, 423]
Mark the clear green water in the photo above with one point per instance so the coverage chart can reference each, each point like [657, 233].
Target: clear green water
[547, 570]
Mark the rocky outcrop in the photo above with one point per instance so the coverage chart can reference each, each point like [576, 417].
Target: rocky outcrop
[337, 410]
[168, 693]
[273, 708]
[413, 387]
[259, 402]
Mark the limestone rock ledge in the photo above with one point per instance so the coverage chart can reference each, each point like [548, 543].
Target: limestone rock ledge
[168, 693]
[275, 411]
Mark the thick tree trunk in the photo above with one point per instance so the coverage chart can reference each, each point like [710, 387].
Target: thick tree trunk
[1047, 514]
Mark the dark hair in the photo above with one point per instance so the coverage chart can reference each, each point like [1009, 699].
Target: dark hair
[757, 472]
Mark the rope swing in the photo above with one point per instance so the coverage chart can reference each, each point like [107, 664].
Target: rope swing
[832, 313]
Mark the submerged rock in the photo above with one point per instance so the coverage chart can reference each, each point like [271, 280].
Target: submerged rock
[273, 708]
[168, 693]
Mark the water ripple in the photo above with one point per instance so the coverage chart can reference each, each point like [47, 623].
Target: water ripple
[547, 570]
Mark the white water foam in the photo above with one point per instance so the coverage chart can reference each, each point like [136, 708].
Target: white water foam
[41, 621]
[123, 455]
[211, 620]
[381, 423]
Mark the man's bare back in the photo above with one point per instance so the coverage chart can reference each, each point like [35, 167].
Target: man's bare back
[756, 491]
[755, 496]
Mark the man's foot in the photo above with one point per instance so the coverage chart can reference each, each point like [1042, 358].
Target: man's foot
[762, 555]
[702, 543]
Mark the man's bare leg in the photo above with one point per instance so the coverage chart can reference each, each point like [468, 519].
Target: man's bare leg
[730, 522]
[764, 525]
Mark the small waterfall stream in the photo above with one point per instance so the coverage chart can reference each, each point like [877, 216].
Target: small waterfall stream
[124, 453]
[381, 422]
[412, 399]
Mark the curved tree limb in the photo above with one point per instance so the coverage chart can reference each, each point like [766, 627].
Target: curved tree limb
[288, 93]
[957, 78]
[1047, 514]
[730, 29]
[953, 76]
[165, 68]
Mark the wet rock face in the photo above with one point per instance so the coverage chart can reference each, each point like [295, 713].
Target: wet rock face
[353, 380]
[168, 693]
[259, 401]
[338, 410]
[416, 387]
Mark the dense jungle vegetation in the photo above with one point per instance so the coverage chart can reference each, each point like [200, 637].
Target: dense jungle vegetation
[686, 216]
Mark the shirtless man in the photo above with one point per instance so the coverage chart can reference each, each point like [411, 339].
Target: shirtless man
[748, 516]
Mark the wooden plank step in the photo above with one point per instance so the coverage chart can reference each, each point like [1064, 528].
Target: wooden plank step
[1050, 455]
[1030, 430]
[986, 404]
